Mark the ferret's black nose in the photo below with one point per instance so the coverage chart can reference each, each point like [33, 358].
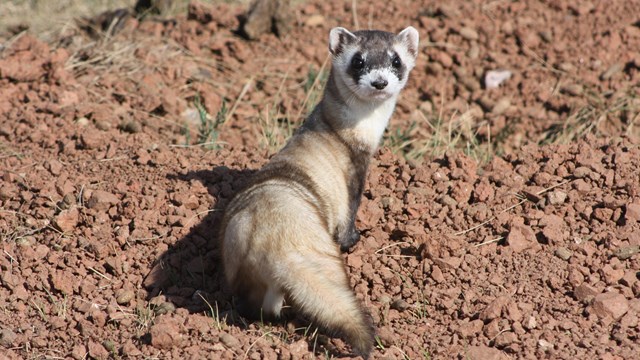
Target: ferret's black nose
[379, 84]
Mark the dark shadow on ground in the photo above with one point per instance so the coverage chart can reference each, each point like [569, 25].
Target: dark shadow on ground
[190, 273]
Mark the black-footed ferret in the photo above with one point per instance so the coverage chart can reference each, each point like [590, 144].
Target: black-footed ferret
[282, 234]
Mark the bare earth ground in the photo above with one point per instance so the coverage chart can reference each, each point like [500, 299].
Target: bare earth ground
[497, 223]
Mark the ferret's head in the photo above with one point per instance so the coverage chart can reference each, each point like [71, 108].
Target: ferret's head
[374, 65]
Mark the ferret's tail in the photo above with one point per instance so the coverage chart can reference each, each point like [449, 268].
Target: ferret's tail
[318, 286]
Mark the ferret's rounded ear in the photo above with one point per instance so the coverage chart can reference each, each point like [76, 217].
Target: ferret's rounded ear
[338, 38]
[411, 38]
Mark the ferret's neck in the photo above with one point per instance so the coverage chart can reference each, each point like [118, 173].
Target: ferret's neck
[360, 123]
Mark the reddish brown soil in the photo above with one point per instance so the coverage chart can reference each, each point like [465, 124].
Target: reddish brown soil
[109, 228]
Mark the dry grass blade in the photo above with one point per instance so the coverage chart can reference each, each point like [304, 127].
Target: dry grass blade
[245, 88]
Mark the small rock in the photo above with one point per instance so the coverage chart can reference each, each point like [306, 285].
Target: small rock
[612, 71]
[546, 36]
[572, 89]
[545, 345]
[629, 278]
[585, 292]
[474, 51]
[566, 67]
[103, 125]
[448, 11]
[229, 341]
[626, 252]
[298, 349]
[400, 305]
[386, 336]
[91, 139]
[632, 213]
[468, 33]
[611, 276]
[83, 121]
[166, 307]
[101, 200]
[556, 197]
[97, 351]
[129, 349]
[484, 353]
[109, 346]
[79, 352]
[505, 339]
[7, 337]
[520, 238]
[610, 304]
[436, 274]
[448, 263]
[124, 296]
[131, 127]
[563, 253]
[54, 167]
[165, 334]
[494, 309]
[531, 323]
[314, 20]
[62, 281]
[581, 172]
[67, 220]
[493, 78]
[471, 328]
[501, 106]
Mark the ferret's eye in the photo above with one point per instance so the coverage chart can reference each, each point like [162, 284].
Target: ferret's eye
[357, 62]
[395, 62]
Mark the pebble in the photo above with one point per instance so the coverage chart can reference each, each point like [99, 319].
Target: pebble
[314, 20]
[611, 304]
[581, 172]
[165, 334]
[229, 341]
[468, 33]
[494, 78]
[545, 345]
[386, 336]
[505, 339]
[626, 252]
[501, 106]
[436, 274]
[400, 305]
[97, 351]
[546, 36]
[484, 353]
[556, 197]
[572, 89]
[471, 328]
[297, 349]
[101, 200]
[91, 139]
[165, 308]
[473, 52]
[610, 275]
[131, 127]
[632, 213]
[83, 121]
[494, 309]
[563, 253]
[124, 297]
[612, 71]
[7, 337]
[520, 238]
[585, 292]
[67, 220]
